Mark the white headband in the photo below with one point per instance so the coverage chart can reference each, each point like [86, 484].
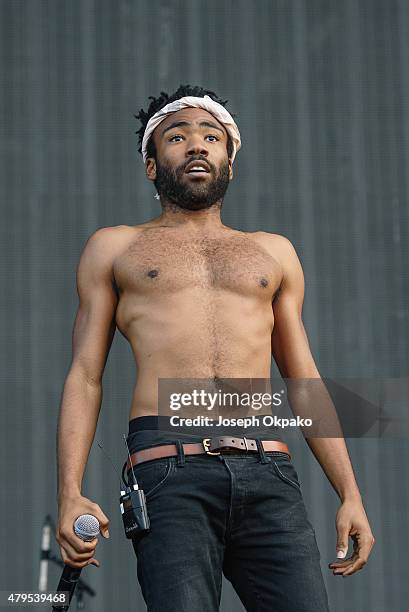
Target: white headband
[207, 103]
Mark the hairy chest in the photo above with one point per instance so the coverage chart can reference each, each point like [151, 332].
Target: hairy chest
[159, 262]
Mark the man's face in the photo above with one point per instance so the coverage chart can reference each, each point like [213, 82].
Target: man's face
[177, 147]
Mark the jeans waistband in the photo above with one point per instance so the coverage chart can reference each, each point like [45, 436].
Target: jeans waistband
[145, 431]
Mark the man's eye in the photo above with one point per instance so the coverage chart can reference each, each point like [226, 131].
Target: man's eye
[180, 136]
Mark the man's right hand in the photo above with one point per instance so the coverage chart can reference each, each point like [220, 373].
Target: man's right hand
[74, 551]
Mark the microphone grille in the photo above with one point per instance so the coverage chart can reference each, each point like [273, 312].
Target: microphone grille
[86, 527]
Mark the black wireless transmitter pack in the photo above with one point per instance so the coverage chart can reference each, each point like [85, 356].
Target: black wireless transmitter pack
[133, 507]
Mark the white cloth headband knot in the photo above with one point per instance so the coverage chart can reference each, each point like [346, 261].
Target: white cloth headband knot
[207, 103]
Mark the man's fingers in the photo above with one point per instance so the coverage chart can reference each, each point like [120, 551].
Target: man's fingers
[364, 548]
[74, 553]
[83, 564]
[94, 561]
[80, 545]
[342, 563]
[74, 562]
[72, 556]
[358, 559]
[342, 539]
[359, 564]
[102, 519]
[338, 570]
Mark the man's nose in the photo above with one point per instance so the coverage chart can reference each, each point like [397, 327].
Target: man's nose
[197, 145]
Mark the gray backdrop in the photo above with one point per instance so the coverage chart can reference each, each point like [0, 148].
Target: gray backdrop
[321, 93]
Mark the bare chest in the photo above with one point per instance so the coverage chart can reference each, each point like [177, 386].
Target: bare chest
[161, 262]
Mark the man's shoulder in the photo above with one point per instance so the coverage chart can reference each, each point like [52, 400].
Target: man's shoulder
[277, 239]
[112, 232]
[105, 243]
[281, 247]
[278, 245]
[112, 237]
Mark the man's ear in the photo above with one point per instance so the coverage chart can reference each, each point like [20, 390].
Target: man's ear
[230, 169]
[151, 168]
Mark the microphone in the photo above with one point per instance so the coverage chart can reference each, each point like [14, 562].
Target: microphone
[45, 554]
[86, 527]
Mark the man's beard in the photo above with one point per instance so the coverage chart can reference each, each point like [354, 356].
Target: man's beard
[188, 193]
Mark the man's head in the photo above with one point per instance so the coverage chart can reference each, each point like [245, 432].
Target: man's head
[182, 138]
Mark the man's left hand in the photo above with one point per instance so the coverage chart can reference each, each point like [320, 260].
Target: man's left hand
[351, 520]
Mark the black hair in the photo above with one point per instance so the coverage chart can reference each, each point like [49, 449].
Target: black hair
[162, 100]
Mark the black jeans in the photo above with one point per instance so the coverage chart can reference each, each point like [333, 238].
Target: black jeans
[242, 515]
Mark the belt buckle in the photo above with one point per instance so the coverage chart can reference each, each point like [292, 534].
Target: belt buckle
[206, 446]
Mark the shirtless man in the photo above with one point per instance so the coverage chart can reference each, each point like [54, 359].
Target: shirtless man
[198, 299]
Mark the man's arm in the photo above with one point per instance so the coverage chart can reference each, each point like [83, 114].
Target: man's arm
[93, 333]
[291, 351]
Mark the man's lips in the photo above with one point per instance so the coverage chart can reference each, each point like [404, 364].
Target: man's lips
[197, 164]
[198, 173]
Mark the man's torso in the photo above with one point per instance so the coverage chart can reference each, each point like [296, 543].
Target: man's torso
[194, 304]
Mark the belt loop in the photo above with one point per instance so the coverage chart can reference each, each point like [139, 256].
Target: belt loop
[263, 457]
[180, 462]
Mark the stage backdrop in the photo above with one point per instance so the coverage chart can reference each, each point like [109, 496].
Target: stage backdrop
[321, 94]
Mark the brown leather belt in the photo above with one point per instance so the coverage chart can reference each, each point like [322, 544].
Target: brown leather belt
[210, 446]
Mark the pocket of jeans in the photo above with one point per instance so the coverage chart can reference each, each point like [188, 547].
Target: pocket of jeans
[152, 475]
[286, 472]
